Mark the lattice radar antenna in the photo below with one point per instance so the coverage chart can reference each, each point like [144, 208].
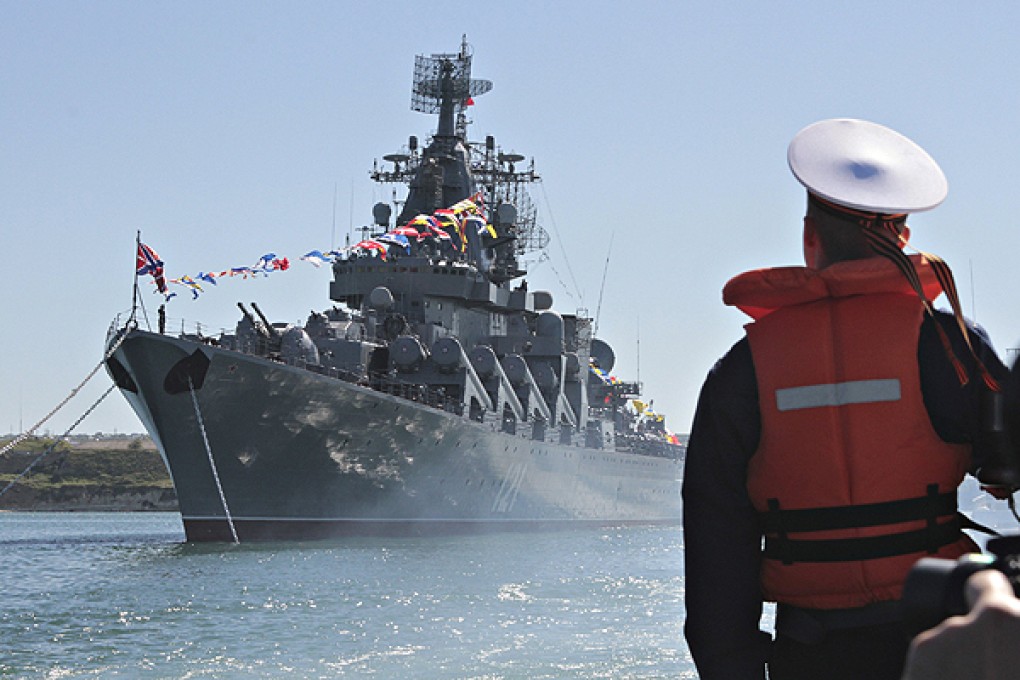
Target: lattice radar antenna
[446, 78]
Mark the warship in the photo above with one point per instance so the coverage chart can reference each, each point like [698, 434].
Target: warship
[437, 393]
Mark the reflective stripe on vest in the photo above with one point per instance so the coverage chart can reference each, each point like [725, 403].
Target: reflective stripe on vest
[838, 394]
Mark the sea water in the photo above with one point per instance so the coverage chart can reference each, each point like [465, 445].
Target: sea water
[121, 595]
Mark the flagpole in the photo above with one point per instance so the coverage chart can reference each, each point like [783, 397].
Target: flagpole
[134, 293]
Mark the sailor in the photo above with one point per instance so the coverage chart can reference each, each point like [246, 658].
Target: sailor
[838, 428]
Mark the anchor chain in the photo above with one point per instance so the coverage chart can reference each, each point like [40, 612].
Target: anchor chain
[212, 463]
[29, 432]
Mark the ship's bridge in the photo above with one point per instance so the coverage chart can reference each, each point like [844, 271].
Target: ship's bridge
[409, 277]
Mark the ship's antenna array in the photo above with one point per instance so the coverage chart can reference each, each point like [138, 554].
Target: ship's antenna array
[332, 233]
[602, 288]
[443, 84]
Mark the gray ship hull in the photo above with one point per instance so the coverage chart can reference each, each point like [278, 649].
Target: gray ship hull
[299, 454]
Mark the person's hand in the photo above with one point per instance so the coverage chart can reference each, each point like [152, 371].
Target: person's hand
[984, 644]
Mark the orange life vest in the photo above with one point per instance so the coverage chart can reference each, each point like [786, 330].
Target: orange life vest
[852, 482]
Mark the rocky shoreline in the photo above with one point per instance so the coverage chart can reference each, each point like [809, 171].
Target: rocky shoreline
[122, 474]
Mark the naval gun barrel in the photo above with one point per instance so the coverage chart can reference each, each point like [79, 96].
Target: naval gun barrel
[246, 313]
[259, 328]
[269, 327]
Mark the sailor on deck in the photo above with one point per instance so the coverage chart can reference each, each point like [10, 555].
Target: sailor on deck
[839, 428]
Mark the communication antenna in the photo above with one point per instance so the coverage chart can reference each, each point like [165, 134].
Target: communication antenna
[639, 348]
[602, 288]
[332, 234]
[351, 217]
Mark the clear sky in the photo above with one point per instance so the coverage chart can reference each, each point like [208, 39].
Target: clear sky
[224, 130]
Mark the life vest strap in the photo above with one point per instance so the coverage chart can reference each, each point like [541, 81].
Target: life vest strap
[810, 626]
[856, 549]
[777, 520]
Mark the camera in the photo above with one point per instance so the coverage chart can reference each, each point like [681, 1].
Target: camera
[934, 589]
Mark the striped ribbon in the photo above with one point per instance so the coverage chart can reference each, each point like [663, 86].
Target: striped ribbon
[873, 225]
[892, 251]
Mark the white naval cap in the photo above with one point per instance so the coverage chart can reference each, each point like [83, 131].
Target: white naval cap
[866, 166]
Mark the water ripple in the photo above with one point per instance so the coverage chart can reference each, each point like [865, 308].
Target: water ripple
[122, 596]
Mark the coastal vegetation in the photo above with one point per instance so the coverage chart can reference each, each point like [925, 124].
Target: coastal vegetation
[86, 474]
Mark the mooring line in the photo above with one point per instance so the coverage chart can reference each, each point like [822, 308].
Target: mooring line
[212, 463]
[29, 432]
[59, 439]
